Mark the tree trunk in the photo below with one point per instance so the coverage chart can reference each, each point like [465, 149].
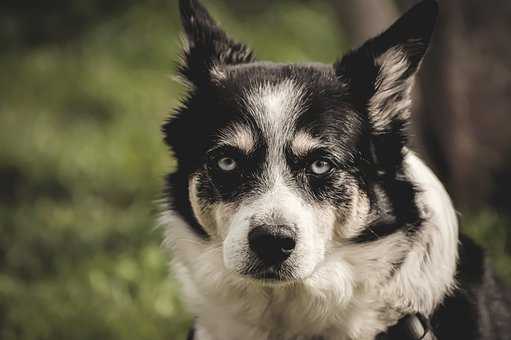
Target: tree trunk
[361, 19]
[466, 110]
[462, 116]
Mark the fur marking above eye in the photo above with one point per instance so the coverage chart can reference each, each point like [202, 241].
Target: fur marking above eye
[303, 143]
[239, 137]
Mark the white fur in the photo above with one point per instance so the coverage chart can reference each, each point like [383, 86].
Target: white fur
[275, 104]
[342, 297]
[275, 108]
[427, 277]
[311, 224]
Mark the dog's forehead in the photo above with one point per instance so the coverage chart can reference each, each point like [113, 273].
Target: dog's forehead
[278, 98]
[247, 77]
[275, 105]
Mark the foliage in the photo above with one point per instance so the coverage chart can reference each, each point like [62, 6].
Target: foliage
[491, 230]
[81, 164]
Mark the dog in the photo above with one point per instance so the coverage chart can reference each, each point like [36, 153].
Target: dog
[298, 211]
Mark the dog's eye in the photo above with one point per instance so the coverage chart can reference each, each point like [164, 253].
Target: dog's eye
[227, 164]
[320, 167]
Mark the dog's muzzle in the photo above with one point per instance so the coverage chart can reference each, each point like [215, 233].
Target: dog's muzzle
[272, 244]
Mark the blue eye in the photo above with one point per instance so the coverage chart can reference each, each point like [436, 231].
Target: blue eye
[320, 167]
[227, 164]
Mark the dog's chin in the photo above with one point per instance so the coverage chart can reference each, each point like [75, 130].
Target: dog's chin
[272, 277]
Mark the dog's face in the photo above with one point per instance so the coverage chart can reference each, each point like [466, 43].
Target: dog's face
[283, 164]
[279, 172]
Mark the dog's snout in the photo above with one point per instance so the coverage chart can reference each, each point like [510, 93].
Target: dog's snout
[272, 244]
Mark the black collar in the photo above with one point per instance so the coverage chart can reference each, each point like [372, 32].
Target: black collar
[409, 327]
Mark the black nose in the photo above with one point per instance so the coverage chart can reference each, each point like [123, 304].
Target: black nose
[272, 244]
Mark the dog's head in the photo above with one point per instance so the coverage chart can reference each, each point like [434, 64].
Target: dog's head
[282, 164]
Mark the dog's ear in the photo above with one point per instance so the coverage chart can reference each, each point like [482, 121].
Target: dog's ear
[380, 73]
[206, 44]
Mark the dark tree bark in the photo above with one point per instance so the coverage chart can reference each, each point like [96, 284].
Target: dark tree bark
[361, 19]
[466, 109]
[462, 116]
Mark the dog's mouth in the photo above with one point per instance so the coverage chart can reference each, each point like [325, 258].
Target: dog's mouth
[270, 275]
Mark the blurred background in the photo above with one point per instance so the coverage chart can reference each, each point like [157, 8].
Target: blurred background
[84, 87]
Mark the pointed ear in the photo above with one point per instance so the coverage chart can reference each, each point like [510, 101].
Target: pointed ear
[207, 45]
[380, 73]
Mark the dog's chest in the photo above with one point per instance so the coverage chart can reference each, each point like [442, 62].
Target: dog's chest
[292, 316]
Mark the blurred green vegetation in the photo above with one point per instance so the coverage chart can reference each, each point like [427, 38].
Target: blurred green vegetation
[82, 161]
[491, 230]
[81, 164]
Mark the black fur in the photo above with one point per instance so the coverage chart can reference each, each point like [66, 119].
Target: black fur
[208, 45]
[481, 306]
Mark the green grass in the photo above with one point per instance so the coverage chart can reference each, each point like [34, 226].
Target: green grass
[80, 138]
[491, 231]
[82, 161]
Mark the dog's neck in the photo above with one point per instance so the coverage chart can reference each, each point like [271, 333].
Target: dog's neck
[325, 304]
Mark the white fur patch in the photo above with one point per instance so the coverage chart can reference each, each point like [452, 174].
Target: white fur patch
[427, 276]
[275, 104]
[312, 226]
[275, 108]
